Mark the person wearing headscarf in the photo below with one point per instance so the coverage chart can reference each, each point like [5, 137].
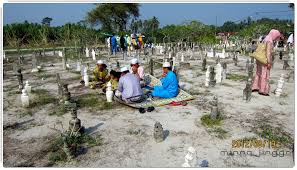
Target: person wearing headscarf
[169, 84]
[261, 79]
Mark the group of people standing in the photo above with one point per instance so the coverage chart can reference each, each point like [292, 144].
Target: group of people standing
[128, 84]
[125, 43]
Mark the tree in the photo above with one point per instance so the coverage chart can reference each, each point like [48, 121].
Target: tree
[46, 21]
[136, 26]
[113, 17]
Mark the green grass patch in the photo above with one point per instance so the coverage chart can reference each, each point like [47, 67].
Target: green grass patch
[283, 95]
[219, 132]
[26, 112]
[188, 113]
[93, 101]
[236, 77]
[277, 134]
[271, 82]
[41, 74]
[42, 97]
[207, 121]
[58, 111]
[74, 142]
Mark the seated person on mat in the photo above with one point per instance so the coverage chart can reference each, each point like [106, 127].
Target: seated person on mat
[100, 73]
[169, 87]
[114, 80]
[129, 89]
[137, 69]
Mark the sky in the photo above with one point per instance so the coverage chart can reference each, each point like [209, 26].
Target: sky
[170, 13]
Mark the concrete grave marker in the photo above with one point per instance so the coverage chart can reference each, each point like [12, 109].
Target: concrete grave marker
[280, 85]
[247, 91]
[212, 81]
[25, 98]
[214, 108]
[158, 132]
[207, 74]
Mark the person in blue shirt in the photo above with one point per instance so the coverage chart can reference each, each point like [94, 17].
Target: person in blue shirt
[113, 41]
[169, 87]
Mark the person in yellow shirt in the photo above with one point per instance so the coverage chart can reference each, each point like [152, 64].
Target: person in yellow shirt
[100, 74]
[140, 41]
[114, 80]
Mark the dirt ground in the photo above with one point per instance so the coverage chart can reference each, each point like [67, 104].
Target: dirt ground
[128, 135]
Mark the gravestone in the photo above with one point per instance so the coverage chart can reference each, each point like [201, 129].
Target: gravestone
[93, 55]
[218, 73]
[66, 93]
[34, 64]
[204, 64]
[64, 59]
[214, 108]
[247, 91]
[60, 89]
[207, 74]
[286, 65]
[118, 65]
[86, 77]
[25, 98]
[75, 123]
[87, 52]
[235, 59]
[280, 85]
[176, 71]
[151, 67]
[212, 81]
[109, 92]
[21, 59]
[247, 65]
[158, 132]
[250, 70]
[60, 53]
[291, 75]
[190, 158]
[20, 79]
[182, 58]
[28, 87]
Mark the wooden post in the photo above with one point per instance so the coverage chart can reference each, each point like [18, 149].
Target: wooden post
[64, 58]
[151, 67]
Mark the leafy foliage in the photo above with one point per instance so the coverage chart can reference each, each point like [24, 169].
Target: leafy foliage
[113, 17]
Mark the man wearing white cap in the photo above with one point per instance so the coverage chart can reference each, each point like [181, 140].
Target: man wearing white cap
[100, 72]
[137, 69]
[129, 89]
[169, 87]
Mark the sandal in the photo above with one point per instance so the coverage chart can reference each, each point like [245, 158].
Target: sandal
[141, 110]
[150, 109]
[263, 94]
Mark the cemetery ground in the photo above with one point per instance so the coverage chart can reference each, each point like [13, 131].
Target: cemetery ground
[119, 136]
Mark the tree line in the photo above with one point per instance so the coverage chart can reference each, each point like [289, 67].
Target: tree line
[122, 19]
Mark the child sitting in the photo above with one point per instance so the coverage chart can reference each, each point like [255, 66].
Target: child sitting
[114, 79]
